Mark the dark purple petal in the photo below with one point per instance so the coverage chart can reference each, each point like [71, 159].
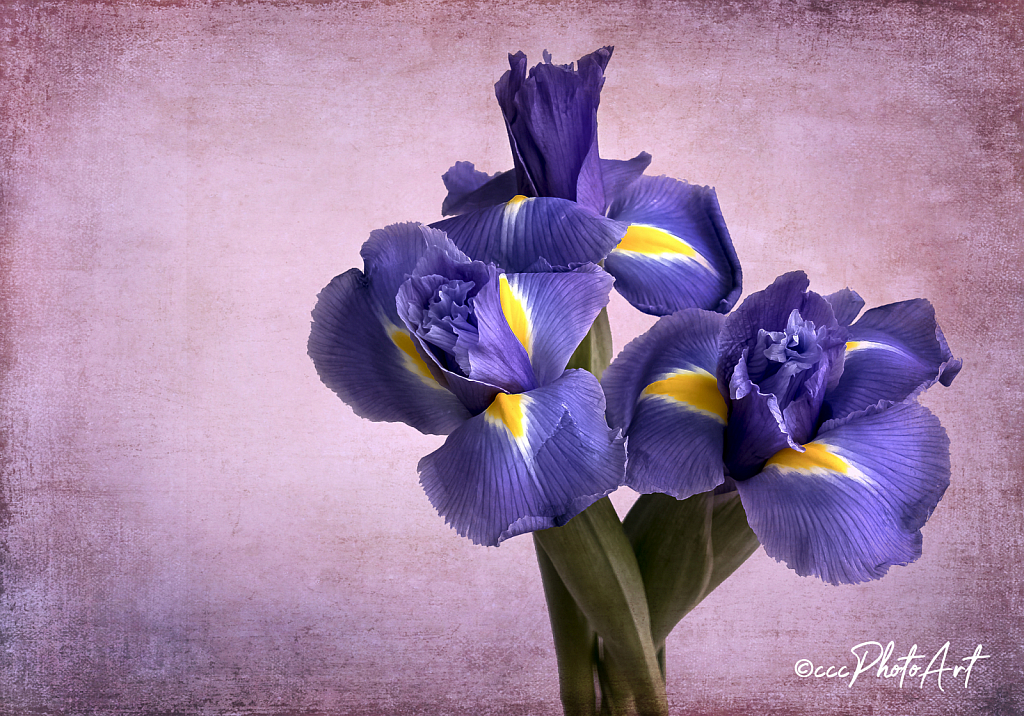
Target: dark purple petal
[531, 461]
[618, 175]
[517, 234]
[853, 504]
[551, 118]
[469, 189]
[757, 428]
[552, 312]
[662, 392]
[846, 304]
[894, 352]
[677, 252]
[372, 363]
[770, 310]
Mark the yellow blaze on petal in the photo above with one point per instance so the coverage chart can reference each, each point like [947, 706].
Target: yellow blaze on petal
[413, 361]
[817, 456]
[515, 312]
[696, 389]
[517, 199]
[649, 240]
[507, 410]
[857, 345]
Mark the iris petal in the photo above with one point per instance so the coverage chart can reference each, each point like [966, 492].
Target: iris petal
[619, 175]
[853, 503]
[530, 461]
[557, 310]
[470, 190]
[519, 233]
[551, 118]
[894, 352]
[846, 304]
[662, 392]
[677, 252]
[372, 363]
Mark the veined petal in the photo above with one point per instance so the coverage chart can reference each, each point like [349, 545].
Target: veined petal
[852, 504]
[501, 357]
[846, 304]
[677, 252]
[662, 392]
[530, 461]
[619, 175]
[372, 362]
[517, 234]
[550, 313]
[469, 189]
[894, 352]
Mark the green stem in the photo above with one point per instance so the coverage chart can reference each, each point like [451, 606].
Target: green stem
[598, 567]
[575, 641]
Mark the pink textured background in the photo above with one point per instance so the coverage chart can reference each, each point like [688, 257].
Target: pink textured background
[192, 523]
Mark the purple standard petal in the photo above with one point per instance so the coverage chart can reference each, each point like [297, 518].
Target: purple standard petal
[619, 175]
[517, 234]
[846, 304]
[373, 364]
[529, 462]
[551, 118]
[662, 392]
[550, 313]
[853, 503]
[677, 252]
[894, 352]
[470, 190]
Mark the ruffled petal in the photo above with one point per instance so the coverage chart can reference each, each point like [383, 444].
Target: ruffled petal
[757, 427]
[517, 234]
[677, 252]
[770, 310]
[853, 503]
[619, 175]
[551, 118]
[550, 313]
[894, 352]
[390, 255]
[662, 392]
[373, 363]
[529, 462]
[470, 190]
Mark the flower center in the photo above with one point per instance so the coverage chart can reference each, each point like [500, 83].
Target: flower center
[447, 322]
[786, 354]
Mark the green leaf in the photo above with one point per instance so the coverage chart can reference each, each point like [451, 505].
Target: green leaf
[594, 352]
[685, 549]
[672, 541]
[598, 568]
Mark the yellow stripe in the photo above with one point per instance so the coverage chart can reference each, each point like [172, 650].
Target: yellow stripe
[515, 312]
[413, 361]
[649, 240]
[817, 456]
[507, 410]
[696, 389]
[857, 345]
[517, 199]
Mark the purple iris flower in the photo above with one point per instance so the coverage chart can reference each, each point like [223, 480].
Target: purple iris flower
[675, 251]
[426, 336]
[813, 420]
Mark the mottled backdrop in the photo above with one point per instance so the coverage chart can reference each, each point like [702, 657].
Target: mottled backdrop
[192, 523]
